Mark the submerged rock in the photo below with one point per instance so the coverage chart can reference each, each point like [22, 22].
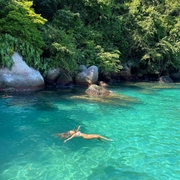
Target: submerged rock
[113, 99]
[95, 90]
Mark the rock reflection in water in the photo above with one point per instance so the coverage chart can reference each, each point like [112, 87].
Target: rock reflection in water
[32, 101]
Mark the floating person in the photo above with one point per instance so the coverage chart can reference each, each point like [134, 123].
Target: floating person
[66, 134]
[76, 133]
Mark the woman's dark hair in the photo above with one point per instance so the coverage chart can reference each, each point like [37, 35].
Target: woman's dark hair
[64, 135]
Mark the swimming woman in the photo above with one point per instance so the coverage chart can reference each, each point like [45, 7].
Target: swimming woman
[76, 133]
[67, 134]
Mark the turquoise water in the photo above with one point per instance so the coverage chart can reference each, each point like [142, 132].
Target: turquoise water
[143, 120]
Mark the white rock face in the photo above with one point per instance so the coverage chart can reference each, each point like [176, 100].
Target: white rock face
[20, 77]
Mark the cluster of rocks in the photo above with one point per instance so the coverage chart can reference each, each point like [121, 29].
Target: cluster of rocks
[62, 79]
[21, 77]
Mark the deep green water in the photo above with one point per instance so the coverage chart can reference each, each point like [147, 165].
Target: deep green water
[143, 121]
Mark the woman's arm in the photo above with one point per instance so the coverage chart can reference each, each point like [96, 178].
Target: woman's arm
[69, 138]
[78, 128]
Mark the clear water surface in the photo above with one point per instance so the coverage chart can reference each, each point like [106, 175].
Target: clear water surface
[143, 120]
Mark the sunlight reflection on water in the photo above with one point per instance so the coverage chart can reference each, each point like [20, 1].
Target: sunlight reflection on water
[145, 133]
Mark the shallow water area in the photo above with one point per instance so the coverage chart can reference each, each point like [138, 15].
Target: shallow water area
[144, 125]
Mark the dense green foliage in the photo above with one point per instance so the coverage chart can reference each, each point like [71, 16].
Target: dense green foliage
[155, 34]
[19, 28]
[143, 34]
[72, 40]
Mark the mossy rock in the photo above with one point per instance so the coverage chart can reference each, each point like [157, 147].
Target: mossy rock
[95, 91]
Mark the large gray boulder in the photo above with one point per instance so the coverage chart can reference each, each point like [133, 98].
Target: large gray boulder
[65, 80]
[87, 76]
[20, 77]
[59, 78]
[52, 75]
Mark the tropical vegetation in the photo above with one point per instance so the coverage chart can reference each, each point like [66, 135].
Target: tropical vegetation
[141, 34]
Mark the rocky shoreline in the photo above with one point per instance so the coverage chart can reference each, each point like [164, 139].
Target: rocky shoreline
[22, 78]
